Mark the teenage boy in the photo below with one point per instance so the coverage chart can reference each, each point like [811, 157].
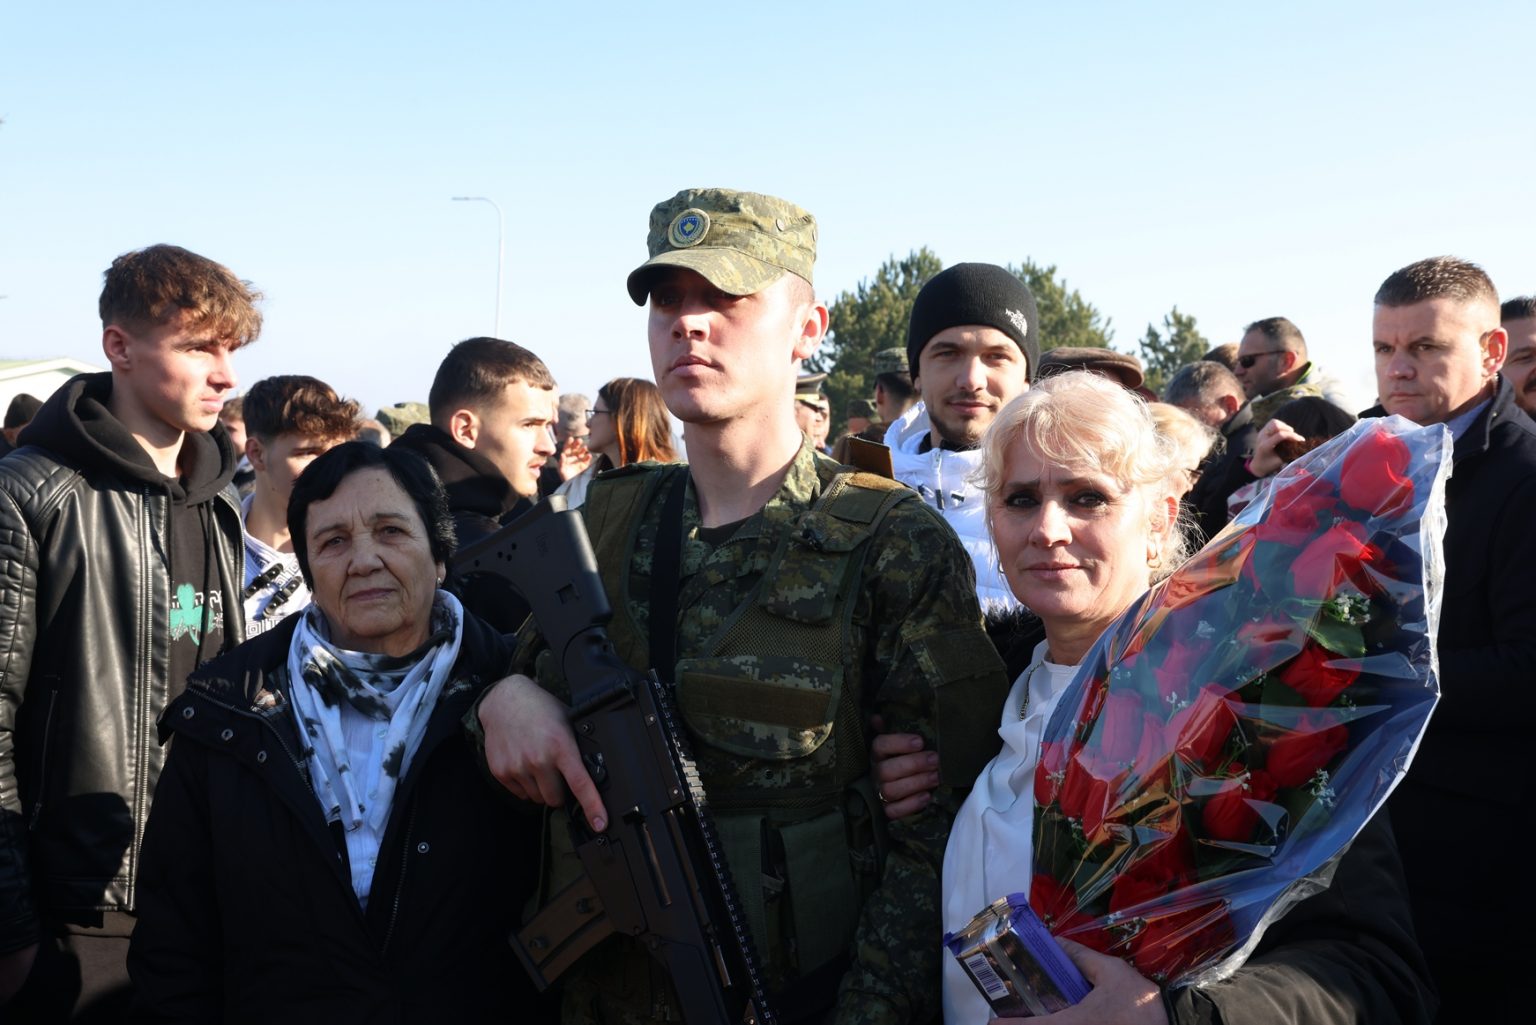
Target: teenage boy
[121, 548]
[289, 421]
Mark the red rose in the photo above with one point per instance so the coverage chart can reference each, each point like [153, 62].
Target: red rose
[1293, 756]
[1085, 792]
[1269, 642]
[1154, 869]
[1134, 889]
[1232, 812]
[1119, 727]
[1373, 475]
[1152, 755]
[1318, 675]
[1172, 941]
[1174, 671]
[1055, 903]
[1340, 553]
[1200, 730]
[1297, 509]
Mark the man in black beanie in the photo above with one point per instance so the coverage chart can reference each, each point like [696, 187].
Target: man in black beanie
[972, 343]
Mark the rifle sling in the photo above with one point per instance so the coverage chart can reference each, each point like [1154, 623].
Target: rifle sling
[666, 580]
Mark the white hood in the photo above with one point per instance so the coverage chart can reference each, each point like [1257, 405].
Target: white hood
[943, 479]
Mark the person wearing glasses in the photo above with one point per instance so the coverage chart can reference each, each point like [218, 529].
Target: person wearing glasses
[627, 423]
[1274, 368]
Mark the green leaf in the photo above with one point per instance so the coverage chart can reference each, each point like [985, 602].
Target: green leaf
[1339, 638]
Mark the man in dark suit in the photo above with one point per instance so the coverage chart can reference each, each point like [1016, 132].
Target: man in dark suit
[1460, 810]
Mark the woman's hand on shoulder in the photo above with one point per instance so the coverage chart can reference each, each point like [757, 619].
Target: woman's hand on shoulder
[905, 774]
[1121, 995]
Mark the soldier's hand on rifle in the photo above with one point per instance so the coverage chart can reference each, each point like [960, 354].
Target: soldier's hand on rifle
[531, 750]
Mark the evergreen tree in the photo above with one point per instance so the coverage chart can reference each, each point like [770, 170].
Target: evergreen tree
[1177, 344]
[862, 322]
[1066, 318]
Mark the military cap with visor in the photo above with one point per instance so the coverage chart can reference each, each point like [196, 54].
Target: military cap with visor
[740, 242]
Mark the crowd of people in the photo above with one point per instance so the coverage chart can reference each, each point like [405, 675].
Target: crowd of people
[265, 754]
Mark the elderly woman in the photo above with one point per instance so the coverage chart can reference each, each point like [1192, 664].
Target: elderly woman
[323, 846]
[1081, 507]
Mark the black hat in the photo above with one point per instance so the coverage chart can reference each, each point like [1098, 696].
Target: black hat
[975, 293]
[21, 410]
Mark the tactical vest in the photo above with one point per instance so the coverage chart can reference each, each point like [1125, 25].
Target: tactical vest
[769, 687]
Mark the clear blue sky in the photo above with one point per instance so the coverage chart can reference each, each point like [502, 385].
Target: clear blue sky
[1236, 163]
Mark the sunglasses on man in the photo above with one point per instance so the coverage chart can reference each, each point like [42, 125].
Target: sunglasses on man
[1247, 362]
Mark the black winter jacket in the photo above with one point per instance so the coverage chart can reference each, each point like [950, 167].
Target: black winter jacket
[85, 615]
[482, 501]
[246, 909]
[1469, 793]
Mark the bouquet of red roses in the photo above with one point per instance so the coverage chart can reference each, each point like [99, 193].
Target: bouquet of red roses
[1236, 727]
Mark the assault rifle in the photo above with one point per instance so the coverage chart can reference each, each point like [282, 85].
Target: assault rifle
[658, 872]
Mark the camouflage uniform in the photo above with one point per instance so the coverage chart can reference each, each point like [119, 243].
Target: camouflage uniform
[766, 732]
[1265, 405]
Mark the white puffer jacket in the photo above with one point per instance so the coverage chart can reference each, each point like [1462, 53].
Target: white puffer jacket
[943, 479]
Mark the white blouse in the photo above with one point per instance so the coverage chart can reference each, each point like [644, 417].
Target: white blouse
[991, 847]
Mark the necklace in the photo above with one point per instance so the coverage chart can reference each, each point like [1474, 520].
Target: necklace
[1028, 679]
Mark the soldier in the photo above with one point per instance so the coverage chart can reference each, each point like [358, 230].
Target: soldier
[807, 597]
[1273, 365]
[813, 412]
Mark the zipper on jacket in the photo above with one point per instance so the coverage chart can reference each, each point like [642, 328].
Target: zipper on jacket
[405, 859]
[143, 692]
[42, 762]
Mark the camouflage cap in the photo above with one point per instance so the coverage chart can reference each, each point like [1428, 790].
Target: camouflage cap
[742, 242]
[401, 415]
[892, 361]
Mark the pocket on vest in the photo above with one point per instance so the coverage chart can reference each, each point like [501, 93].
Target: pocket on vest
[759, 706]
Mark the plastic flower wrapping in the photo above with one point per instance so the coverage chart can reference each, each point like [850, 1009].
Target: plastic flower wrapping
[1235, 728]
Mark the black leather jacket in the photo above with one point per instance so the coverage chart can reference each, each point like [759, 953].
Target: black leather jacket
[84, 621]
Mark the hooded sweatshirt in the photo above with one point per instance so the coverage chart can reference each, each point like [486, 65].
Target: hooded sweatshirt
[943, 478]
[482, 501]
[77, 427]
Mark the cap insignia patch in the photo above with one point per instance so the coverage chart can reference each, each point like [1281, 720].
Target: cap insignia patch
[1019, 321]
[688, 228]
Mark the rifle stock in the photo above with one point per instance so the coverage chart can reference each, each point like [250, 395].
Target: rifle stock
[657, 873]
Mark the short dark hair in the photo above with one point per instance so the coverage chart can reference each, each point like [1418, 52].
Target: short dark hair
[149, 287]
[21, 410]
[294, 402]
[1521, 307]
[1315, 419]
[897, 385]
[1281, 332]
[1439, 277]
[1204, 382]
[408, 468]
[478, 370]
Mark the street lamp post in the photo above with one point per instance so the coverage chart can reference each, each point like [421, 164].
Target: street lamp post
[500, 248]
